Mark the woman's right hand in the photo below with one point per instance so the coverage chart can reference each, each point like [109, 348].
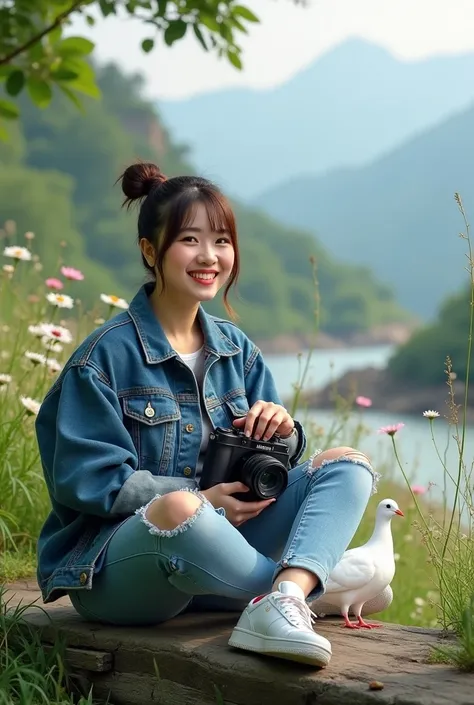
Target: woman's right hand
[236, 511]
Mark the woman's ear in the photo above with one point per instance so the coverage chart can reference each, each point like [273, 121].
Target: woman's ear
[148, 252]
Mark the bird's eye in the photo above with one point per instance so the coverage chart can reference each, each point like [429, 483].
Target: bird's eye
[388, 506]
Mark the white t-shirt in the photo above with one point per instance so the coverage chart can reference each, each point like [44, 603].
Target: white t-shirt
[195, 361]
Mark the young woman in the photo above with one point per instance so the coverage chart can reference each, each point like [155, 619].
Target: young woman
[124, 430]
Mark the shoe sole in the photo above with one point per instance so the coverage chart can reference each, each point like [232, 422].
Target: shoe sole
[280, 648]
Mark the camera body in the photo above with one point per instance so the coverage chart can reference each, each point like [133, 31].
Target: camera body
[261, 465]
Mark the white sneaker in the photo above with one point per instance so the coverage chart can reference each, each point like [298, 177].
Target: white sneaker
[280, 624]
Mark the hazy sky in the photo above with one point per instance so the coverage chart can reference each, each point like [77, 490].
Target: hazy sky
[288, 39]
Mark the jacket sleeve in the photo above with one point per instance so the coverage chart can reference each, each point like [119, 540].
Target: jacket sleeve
[88, 456]
[259, 384]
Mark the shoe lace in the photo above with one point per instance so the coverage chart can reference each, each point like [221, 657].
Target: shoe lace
[297, 611]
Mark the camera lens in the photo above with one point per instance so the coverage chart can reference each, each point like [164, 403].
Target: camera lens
[264, 475]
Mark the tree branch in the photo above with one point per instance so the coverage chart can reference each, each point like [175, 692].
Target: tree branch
[59, 19]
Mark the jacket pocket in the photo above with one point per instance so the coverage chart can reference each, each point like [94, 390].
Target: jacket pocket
[153, 423]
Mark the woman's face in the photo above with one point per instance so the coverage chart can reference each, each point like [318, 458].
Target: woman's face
[199, 261]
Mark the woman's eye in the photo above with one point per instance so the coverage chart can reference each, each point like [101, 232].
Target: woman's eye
[224, 240]
[188, 238]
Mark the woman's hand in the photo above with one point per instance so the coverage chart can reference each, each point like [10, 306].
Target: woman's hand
[237, 512]
[264, 420]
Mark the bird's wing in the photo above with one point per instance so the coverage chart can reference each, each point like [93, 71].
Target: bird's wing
[355, 569]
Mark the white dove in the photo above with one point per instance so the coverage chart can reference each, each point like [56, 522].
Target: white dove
[364, 572]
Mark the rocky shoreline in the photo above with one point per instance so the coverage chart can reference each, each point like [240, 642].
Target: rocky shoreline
[394, 334]
[387, 394]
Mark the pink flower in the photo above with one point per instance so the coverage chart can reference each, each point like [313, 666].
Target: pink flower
[53, 283]
[364, 401]
[71, 273]
[418, 489]
[392, 429]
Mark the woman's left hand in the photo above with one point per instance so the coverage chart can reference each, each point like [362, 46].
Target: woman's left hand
[264, 420]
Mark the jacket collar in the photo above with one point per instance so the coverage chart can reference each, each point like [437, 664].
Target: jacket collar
[153, 340]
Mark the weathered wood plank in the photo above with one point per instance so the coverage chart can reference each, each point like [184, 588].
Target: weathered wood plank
[86, 659]
[191, 652]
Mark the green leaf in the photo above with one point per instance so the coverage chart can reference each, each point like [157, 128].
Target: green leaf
[200, 37]
[3, 133]
[40, 91]
[107, 7]
[90, 20]
[245, 13]
[174, 31]
[75, 46]
[226, 32]
[6, 70]
[210, 22]
[72, 96]
[234, 59]
[162, 8]
[63, 74]
[55, 35]
[15, 82]
[147, 45]
[8, 110]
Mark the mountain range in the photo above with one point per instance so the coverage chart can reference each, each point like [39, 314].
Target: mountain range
[351, 105]
[396, 215]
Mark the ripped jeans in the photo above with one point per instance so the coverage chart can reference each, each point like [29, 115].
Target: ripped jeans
[149, 576]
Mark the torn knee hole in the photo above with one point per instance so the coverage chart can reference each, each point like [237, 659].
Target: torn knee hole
[172, 513]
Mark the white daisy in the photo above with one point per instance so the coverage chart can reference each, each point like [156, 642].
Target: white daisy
[51, 345]
[35, 358]
[60, 300]
[19, 253]
[36, 330]
[112, 300]
[8, 268]
[56, 333]
[419, 601]
[29, 235]
[30, 405]
[5, 379]
[430, 414]
[53, 364]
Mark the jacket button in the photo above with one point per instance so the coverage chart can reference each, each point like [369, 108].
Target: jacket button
[83, 578]
[187, 471]
[189, 428]
[149, 411]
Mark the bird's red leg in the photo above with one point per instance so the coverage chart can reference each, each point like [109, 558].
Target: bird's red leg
[366, 625]
[348, 623]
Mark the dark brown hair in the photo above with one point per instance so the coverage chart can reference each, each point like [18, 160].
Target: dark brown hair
[167, 206]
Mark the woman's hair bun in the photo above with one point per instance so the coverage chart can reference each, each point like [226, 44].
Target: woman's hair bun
[139, 179]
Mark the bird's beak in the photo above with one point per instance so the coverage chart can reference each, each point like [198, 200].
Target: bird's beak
[399, 512]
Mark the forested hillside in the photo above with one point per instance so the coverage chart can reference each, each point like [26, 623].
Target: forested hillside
[57, 179]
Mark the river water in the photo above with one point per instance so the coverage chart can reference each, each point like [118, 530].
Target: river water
[417, 452]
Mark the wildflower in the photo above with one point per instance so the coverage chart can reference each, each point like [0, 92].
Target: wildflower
[37, 331]
[396, 556]
[114, 301]
[57, 333]
[8, 268]
[418, 489]
[38, 267]
[51, 346]
[53, 365]
[392, 429]
[99, 321]
[72, 274]
[31, 406]
[19, 253]
[5, 379]
[363, 401]
[53, 283]
[430, 414]
[419, 601]
[35, 358]
[60, 300]
[29, 235]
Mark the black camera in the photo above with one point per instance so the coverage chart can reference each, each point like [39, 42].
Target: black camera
[261, 465]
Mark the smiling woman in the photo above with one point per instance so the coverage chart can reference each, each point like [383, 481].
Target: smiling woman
[126, 428]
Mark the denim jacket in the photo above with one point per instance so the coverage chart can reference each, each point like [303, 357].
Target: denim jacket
[122, 424]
